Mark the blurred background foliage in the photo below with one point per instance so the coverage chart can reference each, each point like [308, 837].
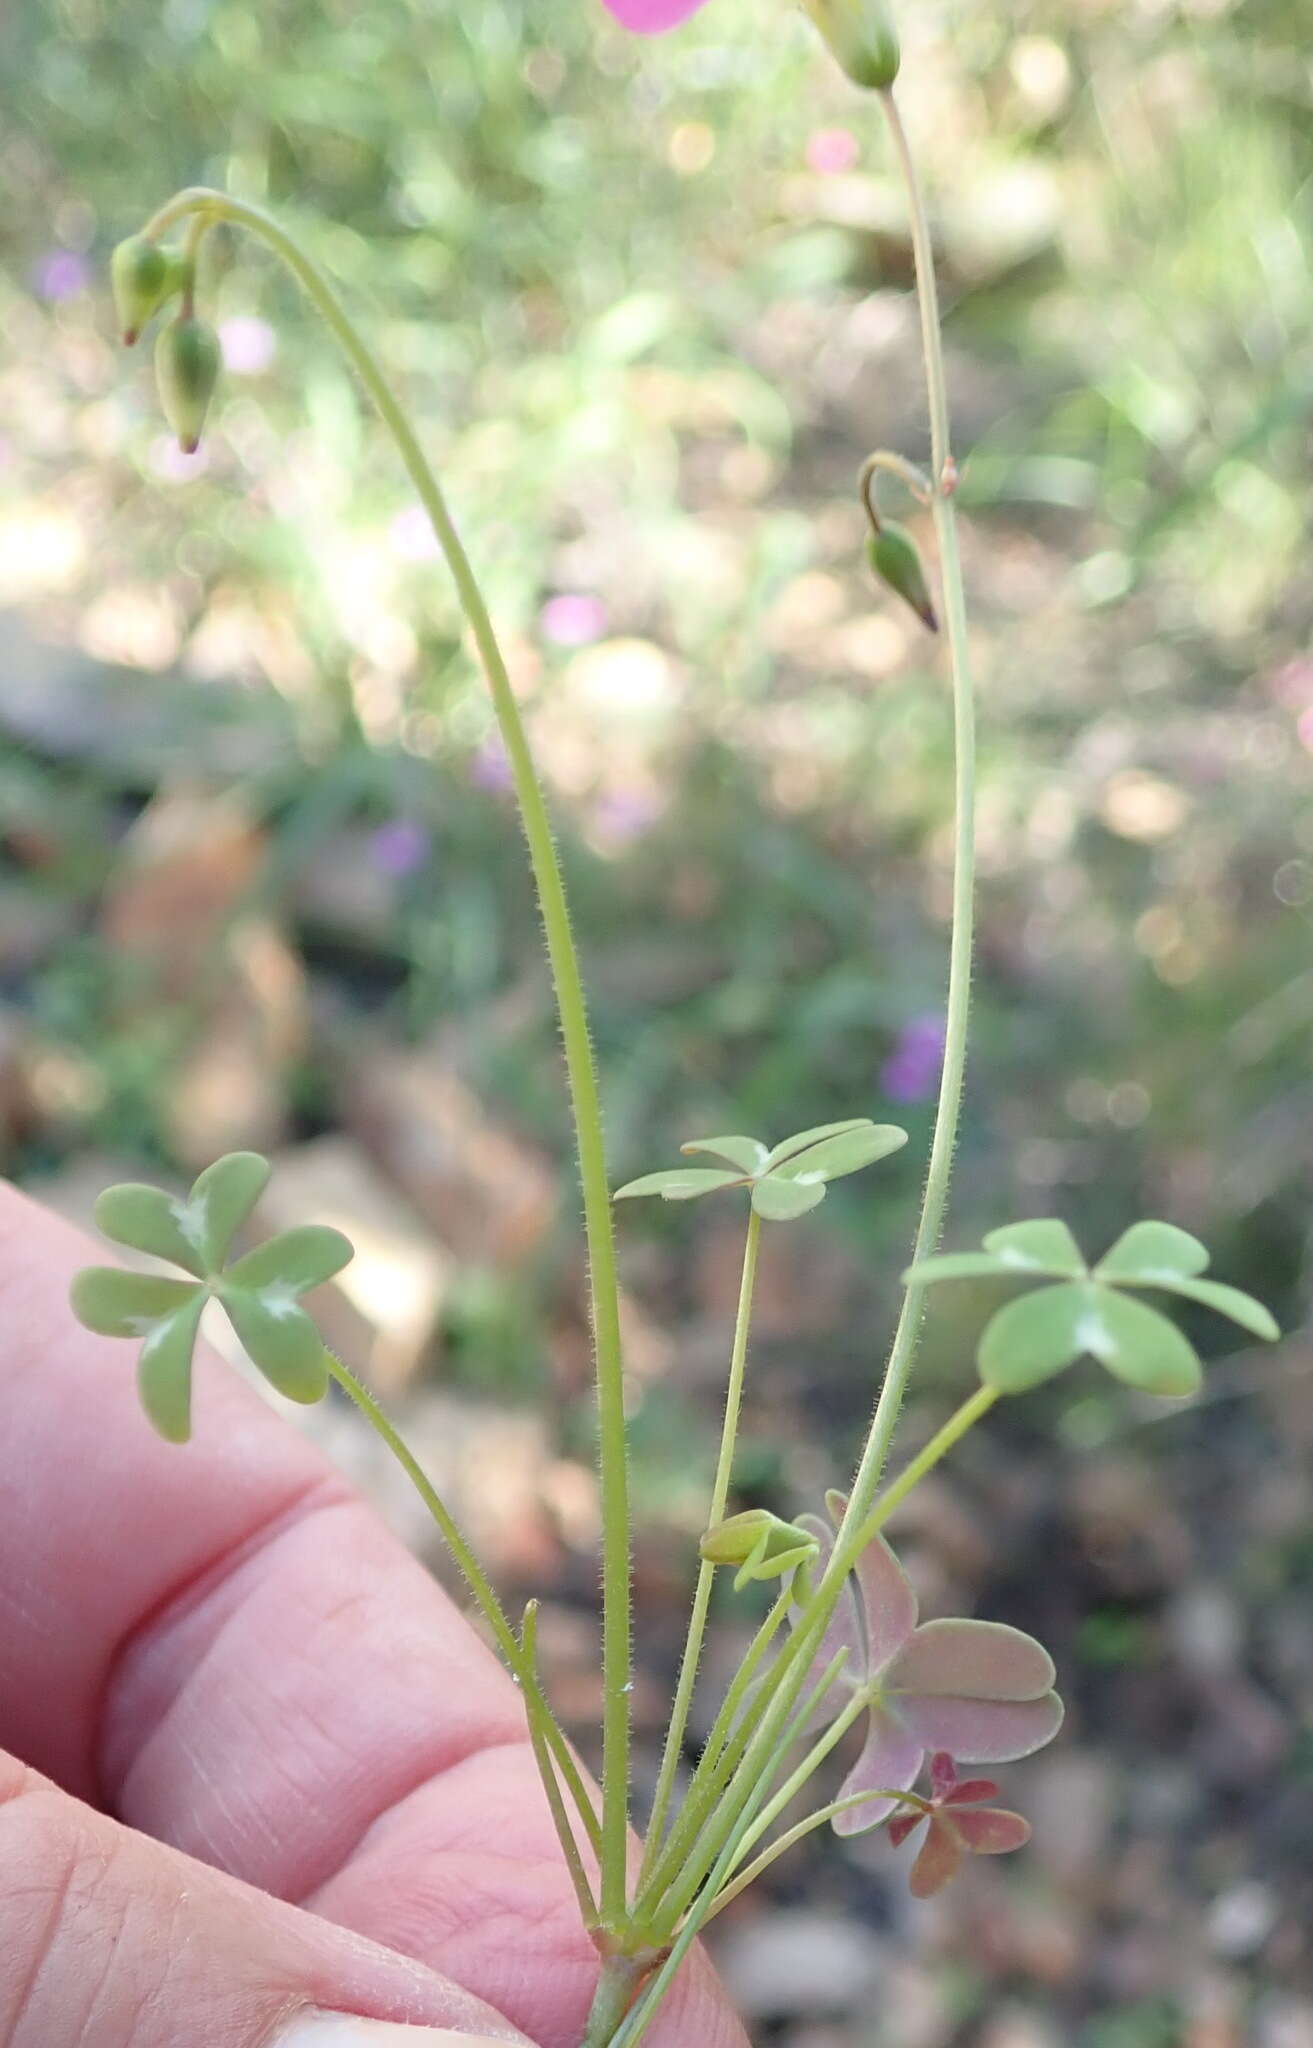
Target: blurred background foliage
[262, 882]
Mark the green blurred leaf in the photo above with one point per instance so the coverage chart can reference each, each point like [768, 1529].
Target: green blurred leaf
[296, 1260]
[164, 1370]
[1043, 1246]
[281, 1340]
[747, 1154]
[1242, 1308]
[1032, 1339]
[1151, 1250]
[220, 1201]
[118, 1304]
[146, 1219]
[1140, 1346]
[781, 1200]
[679, 1183]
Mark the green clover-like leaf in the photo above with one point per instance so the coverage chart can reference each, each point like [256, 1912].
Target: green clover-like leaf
[1045, 1330]
[115, 1303]
[221, 1200]
[260, 1292]
[680, 1183]
[1150, 1251]
[1042, 1333]
[783, 1183]
[747, 1154]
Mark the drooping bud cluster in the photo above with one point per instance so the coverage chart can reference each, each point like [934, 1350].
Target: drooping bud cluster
[861, 37]
[145, 278]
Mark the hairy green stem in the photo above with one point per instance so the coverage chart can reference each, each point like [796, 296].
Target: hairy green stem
[581, 1073]
[688, 1670]
[743, 1801]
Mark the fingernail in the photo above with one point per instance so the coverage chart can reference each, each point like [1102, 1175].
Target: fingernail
[339, 2030]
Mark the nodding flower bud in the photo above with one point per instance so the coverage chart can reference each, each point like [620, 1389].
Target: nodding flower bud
[186, 371]
[895, 560]
[761, 1544]
[143, 276]
[861, 37]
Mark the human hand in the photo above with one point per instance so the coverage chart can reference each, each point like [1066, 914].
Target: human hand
[259, 1782]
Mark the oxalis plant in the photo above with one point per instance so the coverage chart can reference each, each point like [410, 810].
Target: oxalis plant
[841, 1644]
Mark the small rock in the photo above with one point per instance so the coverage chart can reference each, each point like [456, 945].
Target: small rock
[789, 1963]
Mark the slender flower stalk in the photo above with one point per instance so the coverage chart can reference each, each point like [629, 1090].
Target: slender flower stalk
[616, 1655]
[943, 480]
[706, 1575]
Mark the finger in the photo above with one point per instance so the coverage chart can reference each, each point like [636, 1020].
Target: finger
[242, 1661]
[111, 1939]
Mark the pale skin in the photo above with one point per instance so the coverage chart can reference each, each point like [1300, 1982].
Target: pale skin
[241, 1729]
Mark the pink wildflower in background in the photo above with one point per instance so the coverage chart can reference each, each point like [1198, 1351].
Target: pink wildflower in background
[831, 151]
[650, 17]
[572, 619]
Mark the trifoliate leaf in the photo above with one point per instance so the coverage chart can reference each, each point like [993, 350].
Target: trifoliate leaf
[780, 1200]
[296, 1260]
[747, 1154]
[146, 1219]
[220, 1202]
[1148, 1251]
[1139, 1345]
[802, 1139]
[845, 1152]
[164, 1370]
[1228, 1301]
[118, 1304]
[280, 1339]
[1044, 1246]
[679, 1183]
[1032, 1339]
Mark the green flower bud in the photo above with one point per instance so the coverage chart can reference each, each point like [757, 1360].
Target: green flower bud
[894, 558]
[186, 371]
[143, 276]
[760, 1543]
[861, 38]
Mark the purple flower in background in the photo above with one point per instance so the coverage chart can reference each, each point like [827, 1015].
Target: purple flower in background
[911, 1073]
[400, 847]
[572, 619]
[490, 767]
[623, 815]
[832, 150]
[61, 274]
[249, 344]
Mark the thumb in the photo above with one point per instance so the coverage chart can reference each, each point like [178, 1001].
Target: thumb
[107, 1937]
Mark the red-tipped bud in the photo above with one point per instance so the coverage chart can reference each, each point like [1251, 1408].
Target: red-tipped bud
[143, 276]
[186, 371]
